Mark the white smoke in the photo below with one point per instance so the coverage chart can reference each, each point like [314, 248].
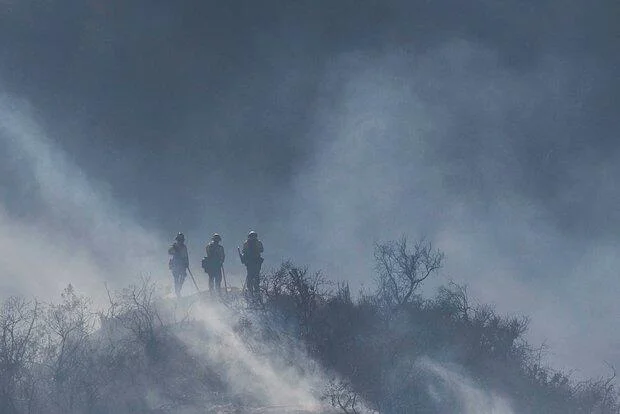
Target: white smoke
[470, 397]
[429, 145]
[268, 380]
[74, 232]
[78, 234]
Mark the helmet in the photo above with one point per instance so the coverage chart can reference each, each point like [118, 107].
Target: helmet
[180, 237]
[216, 237]
[252, 235]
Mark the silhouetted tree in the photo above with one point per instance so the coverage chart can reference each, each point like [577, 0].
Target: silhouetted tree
[21, 337]
[400, 271]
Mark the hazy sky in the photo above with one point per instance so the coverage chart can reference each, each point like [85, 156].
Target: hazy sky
[490, 128]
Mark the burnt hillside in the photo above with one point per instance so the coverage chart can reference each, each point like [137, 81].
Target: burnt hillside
[306, 346]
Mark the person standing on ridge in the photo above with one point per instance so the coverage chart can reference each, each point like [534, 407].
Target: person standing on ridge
[179, 262]
[213, 262]
[251, 258]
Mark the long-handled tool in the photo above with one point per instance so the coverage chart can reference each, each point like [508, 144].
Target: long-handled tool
[240, 255]
[224, 277]
[194, 280]
[243, 262]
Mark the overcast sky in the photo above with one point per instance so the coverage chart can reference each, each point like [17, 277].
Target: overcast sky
[489, 128]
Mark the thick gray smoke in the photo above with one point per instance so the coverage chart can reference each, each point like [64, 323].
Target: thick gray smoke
[82, 237]
[488, 128]
[436, 145]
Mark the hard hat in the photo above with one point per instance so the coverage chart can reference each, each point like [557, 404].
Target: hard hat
[180, 237]
[252, 235]
[216, 237]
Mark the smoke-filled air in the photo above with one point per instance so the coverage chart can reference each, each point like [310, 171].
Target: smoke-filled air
[325, 207]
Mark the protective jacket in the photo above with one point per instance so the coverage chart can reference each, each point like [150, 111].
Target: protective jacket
[179, 260]
[215, 255]
[252, 249]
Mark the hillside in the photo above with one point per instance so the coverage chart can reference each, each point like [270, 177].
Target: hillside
[307, 347]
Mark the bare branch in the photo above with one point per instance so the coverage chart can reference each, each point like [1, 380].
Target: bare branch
[401, 271]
